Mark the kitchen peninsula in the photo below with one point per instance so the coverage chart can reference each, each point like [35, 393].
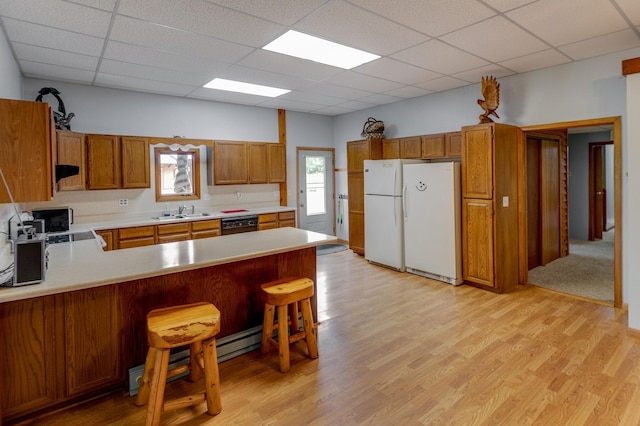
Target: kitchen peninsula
[77, 333]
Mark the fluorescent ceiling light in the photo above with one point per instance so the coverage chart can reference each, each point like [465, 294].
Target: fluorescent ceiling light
[239, 86]
[315, 49]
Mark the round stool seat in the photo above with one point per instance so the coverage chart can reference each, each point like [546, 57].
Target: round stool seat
[287, 290]
[182, 325]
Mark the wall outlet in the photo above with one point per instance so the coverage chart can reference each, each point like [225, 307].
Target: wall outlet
[238, 195]
[123, 202]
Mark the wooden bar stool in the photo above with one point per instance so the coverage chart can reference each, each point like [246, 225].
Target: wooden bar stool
[195, 325]
[285, 293]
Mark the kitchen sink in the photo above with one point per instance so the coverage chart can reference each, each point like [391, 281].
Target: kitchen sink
[181, 216]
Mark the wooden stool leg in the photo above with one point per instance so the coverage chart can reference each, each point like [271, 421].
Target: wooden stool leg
[310, 328]
[211, 377]
[195, 372]
[293, 315]
[267, 327]
[158, 383]
[147, 374]
[283, 338]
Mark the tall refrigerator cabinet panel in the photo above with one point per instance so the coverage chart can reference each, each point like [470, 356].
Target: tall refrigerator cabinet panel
[432, 228]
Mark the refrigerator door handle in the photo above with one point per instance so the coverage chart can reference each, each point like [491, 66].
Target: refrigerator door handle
[404, 200]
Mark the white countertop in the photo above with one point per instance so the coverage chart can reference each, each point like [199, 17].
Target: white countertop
[144, 219]
[83, 264]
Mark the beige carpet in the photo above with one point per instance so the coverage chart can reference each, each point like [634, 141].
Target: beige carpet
[586, 272]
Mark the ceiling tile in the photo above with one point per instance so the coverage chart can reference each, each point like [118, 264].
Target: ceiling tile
[342, 92]
[344, 23]
[204, 18]
[142, 85]
[431, 17]
[505, 5]
[27, 52]
[364, 82]
[38, 35]
[334, 110]
[536, 61]
[408, 92]
[631, 8]
[281, 103]
[256, 76]
[111, 67]
[429, 55]
[224, 96]
[55, 72]
[475, 75]
[622, 40]
[443, 83]
[288, 65]
[356, 105]
[285, 12]
[495, 39]
[380, 99]
[163, 59]
[393, 70]
[58, 14]
[108, 5]
[311, 97]
[160, 37]
[548, 19]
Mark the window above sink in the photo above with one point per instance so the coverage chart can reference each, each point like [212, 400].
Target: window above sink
[177, 174]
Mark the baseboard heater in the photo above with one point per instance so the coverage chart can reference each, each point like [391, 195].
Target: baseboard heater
[227, 347]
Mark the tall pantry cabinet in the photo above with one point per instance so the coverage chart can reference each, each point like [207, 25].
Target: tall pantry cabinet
[357, 152]
[490, 205]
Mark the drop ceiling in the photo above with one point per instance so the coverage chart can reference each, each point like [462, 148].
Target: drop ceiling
[426, 46]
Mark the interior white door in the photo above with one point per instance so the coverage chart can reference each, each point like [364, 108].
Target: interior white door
[316, 191]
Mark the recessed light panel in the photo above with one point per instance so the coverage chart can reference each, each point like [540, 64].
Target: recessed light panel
[304, 46]
[241, 87]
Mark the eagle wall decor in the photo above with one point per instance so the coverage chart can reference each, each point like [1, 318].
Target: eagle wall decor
[491, 101]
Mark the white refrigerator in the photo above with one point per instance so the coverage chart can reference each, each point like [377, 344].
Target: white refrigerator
[383, 215]
[412, 217]
[432, 222]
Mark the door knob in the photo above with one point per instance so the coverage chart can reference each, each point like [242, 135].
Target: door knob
[598, 192]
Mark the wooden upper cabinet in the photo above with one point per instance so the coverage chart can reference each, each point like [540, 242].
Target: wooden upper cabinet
[453, 142]
[103, 162]
[358, 151]
[257, 163]
[390, 149]
[277, 160]
[229, 163]
[26, 150]
[433, 146]
[477, 167]
[71, 151]
[411, 147]
[136, 172]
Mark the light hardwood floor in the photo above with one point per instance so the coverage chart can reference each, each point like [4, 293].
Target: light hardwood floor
[398, 349]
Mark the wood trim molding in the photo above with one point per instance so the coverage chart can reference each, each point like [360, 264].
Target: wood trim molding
[282, 138]
[631, 66]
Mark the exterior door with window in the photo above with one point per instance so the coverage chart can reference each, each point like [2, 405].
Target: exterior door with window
[316, 191]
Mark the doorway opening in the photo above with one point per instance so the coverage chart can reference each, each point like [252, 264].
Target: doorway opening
[316, 189]
[614, 236]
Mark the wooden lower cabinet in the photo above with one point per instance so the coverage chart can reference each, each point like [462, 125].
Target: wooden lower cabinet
[267, 221]
[28, 358]
[108, 235]
[205, 228]
[477, 230]
[55, 348]
[170, 232]
[286, 219]
[91, 339]
[137, 236]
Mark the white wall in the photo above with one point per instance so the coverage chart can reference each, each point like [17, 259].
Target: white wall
[631, 234]
[579, 181]
[111, 111]
[587, 89]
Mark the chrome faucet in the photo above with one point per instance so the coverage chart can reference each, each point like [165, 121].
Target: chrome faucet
[182, 209]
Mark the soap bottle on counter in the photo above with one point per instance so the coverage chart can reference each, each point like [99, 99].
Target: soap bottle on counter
[166, 211]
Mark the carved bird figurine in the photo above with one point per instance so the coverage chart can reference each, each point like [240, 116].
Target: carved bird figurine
[491, 101]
